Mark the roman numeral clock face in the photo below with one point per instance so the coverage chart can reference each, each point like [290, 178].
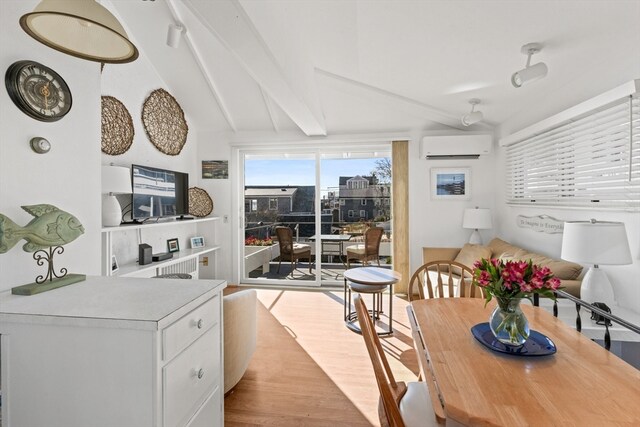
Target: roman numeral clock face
[38, 91]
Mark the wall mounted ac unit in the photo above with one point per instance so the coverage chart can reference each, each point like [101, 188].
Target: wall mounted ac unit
[445, 147]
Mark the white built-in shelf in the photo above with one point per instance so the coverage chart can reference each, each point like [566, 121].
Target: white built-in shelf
[135, 269]
[182, 255]
[161, 223]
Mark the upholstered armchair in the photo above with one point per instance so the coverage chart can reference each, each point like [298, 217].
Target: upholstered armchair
[239, 334]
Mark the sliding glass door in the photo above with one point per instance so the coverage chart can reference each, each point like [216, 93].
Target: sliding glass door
[304, 209]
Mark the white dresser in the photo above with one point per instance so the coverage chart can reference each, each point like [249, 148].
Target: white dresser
[126, 352]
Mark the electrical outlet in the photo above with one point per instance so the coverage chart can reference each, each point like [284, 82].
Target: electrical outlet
[225, 218]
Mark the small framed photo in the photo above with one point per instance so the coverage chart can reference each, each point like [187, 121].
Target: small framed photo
[173, 245]
[114, 264]
[450, 184]
[197, 242]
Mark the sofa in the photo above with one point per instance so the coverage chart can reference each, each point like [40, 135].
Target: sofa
[567, 272]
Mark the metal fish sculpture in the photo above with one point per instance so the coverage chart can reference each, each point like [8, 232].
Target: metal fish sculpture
[50, 227]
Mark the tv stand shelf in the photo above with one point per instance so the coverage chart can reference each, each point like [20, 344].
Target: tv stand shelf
[160, 223]
[133, 269]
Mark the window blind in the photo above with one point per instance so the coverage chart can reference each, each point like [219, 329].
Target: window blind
[592, 161]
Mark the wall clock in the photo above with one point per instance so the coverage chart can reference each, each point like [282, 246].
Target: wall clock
[38, 91]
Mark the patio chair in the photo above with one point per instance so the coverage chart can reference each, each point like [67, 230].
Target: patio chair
[290, 251]
[370, 250]
[443, 279]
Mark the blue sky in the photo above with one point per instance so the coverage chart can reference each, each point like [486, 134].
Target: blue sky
[302, 172]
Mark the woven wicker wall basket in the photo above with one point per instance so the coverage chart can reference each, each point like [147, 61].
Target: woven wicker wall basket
[164, 122]
[117, 127]
[200, 204]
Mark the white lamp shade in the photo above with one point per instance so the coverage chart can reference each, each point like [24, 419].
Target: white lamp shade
[595, 243]
[477, 219]
[81, 28]
[116, 180]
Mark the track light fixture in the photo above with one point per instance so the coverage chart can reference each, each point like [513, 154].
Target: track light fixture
[529, 72]
[174, 35]
[473, 116]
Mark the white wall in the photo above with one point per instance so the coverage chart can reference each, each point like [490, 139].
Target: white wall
[68, 176]
[624, 278]
[215, 147]
[131, 84]
[438, 223]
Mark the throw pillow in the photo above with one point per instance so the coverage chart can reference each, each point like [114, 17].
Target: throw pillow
[471, 253]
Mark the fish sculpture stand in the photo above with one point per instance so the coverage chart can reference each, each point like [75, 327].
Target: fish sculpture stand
[45, 234]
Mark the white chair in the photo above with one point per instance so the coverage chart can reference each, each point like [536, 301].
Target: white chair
[401, 405]
[239, 334]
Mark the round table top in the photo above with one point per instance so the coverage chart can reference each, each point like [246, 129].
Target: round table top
[372, 276]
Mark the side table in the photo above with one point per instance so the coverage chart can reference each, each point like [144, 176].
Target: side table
[373, 280]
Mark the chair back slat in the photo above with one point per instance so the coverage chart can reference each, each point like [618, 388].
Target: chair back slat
[457, 276]
[390, 391]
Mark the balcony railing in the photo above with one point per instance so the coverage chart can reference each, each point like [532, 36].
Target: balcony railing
[605, 317]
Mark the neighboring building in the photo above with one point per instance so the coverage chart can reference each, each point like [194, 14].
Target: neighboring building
[269, 200]
[276, 204]
[363, 199]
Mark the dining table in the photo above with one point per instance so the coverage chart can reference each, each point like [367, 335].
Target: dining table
[579, 383]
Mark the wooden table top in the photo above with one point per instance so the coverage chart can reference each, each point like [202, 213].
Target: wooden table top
[581, 385]
[372, 276]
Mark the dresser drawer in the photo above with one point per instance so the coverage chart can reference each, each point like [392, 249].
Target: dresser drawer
[180, 334]
[190, 378]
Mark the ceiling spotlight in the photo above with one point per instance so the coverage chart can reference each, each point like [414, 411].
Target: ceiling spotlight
[174, 35]
[529, 72]
[473, 116]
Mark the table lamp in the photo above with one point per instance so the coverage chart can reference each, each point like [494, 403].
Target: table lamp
[598, 243]
[476, 219]
[115, 180]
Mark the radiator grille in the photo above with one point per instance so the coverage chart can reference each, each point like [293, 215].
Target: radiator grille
[188, 266]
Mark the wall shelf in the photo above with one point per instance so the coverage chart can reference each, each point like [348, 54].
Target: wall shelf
[162, 223]
[133, 269]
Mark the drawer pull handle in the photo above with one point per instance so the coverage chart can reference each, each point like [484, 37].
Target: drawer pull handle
[199, 324]
[200, 374]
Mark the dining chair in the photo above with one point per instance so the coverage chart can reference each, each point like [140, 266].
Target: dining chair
[443, 279]
[290, 251]
[400, 404]
[369, 250]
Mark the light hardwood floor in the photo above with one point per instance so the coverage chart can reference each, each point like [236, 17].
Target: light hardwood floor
[309, 369]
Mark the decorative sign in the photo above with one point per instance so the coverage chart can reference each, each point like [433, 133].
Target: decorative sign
[541, 223]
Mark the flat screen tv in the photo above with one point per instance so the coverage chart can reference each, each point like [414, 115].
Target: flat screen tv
[158, 193]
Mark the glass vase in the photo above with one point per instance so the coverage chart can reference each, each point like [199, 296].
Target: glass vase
[508, 323]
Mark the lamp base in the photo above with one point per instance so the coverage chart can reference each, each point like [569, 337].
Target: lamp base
[111, 211]
[596, 287]
[475, 238]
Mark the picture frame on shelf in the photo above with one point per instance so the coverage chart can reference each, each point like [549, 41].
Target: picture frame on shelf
[173, 245]
[114, 264]
[197, 242]
[450, 183]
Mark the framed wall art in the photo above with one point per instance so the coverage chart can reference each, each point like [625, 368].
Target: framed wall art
[450, 184]
[215, 169]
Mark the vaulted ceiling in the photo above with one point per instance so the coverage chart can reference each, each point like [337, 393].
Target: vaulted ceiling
[322, 67]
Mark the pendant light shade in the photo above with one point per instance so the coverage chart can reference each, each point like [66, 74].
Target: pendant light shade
[81, 28]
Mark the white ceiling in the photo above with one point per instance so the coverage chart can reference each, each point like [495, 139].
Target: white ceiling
[333, 67]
